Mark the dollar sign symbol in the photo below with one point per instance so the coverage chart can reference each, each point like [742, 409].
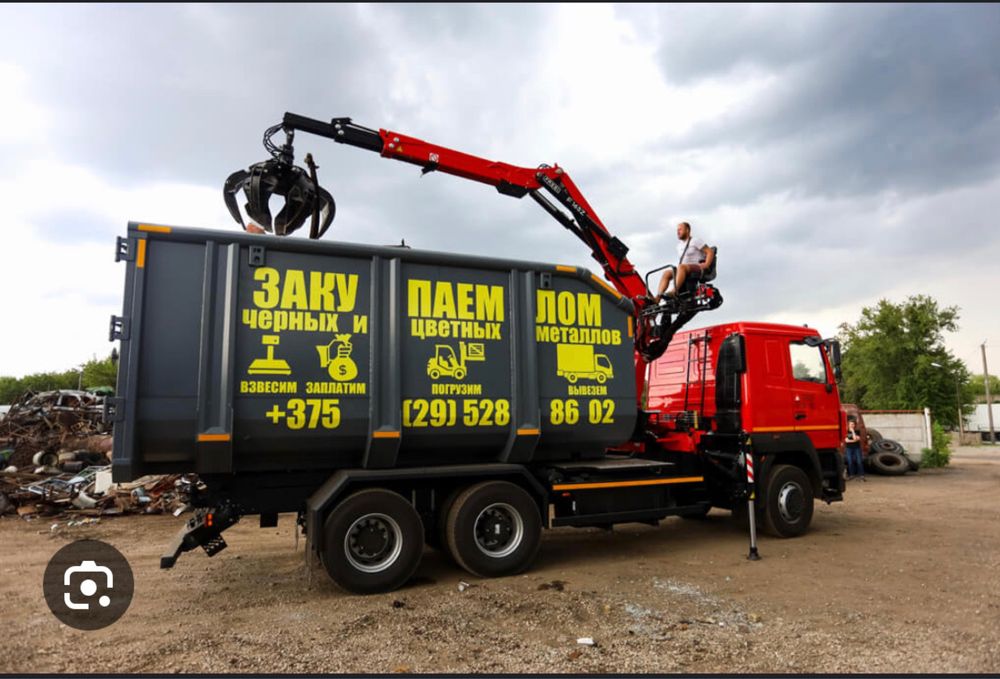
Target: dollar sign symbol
[343, 369]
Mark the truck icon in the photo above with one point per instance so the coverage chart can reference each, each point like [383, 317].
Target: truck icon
[578, 361]
[445, 362]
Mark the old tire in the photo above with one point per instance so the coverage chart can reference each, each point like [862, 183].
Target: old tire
[888, 446]
[874, 435]
[914, 464]
[889, 464]
[373, 542]
[788, 502]
[493, 529]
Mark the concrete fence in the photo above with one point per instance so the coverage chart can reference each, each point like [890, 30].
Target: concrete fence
[908, 427]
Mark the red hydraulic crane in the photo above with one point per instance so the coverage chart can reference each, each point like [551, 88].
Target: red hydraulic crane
[549, 186]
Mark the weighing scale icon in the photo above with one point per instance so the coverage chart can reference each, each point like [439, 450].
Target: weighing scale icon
[270, 365]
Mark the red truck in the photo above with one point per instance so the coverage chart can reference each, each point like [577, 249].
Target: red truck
[581, 403]
[776, 384]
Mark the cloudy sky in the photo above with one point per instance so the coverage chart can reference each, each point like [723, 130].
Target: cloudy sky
[834, 154]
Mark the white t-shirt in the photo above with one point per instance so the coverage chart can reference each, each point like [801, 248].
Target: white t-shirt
[694, 254]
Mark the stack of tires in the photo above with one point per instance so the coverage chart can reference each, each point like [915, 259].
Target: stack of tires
[887, 457]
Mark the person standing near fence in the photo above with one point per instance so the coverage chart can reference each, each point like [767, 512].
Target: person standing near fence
[852, 451]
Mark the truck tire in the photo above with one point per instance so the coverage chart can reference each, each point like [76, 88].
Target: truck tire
[888, 446]
[889, 464]
[874, 435]
[914, 464]
[373, 542]
[494, 529]
[788, 502]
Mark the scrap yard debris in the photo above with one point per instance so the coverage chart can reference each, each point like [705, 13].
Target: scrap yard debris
[90, 493]
[55, 451]
[42, 424]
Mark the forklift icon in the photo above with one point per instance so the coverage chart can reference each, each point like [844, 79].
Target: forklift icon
[445, 362]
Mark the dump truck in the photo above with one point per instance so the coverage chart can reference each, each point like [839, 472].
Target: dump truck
[298, 376]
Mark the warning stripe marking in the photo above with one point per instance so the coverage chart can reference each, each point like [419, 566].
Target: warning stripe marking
[624, 484]
[814, 427]
[214, 437]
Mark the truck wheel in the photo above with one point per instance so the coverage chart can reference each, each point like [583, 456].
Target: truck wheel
[460, 374]
[601, 378]
[373, 542]
[494, 529]
[889, 446]
[434, 373]
[889, 464]
[788, 502]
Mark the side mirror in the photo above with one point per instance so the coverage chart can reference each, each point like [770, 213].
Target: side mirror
[833, 348]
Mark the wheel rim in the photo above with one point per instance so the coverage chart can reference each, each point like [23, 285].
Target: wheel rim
[791, 502]
[499, 530]
[373, 543]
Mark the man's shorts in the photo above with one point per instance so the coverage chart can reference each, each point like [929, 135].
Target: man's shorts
[694, 271]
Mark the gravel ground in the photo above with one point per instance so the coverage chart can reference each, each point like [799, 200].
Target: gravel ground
[901, 577]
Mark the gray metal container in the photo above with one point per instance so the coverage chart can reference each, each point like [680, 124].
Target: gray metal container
[244, 353]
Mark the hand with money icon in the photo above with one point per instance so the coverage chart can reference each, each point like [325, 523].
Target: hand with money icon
[340, 366]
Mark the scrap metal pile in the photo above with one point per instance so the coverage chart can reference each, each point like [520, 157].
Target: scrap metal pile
[55, 451]
[90, 493]
[51, 421]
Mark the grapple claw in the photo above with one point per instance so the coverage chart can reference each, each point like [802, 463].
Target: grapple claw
[304, 197]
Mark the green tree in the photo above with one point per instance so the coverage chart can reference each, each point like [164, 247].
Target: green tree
[977, 387]
[888, 358]
[100, 373]
[94, 373]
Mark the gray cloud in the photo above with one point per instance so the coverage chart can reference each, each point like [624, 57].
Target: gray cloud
[869, 114]
[866, 98]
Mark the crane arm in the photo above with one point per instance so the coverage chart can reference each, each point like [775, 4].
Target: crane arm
[548, 185]
[544, 184]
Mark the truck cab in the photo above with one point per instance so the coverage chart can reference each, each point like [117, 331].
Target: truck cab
[773, 384]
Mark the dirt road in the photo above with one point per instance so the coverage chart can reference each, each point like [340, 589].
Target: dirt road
[904, 576]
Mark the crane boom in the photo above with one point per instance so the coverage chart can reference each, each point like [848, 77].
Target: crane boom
[578, 217]
[548, 185]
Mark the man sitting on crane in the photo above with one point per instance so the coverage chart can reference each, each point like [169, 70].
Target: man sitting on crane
[695, 257]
